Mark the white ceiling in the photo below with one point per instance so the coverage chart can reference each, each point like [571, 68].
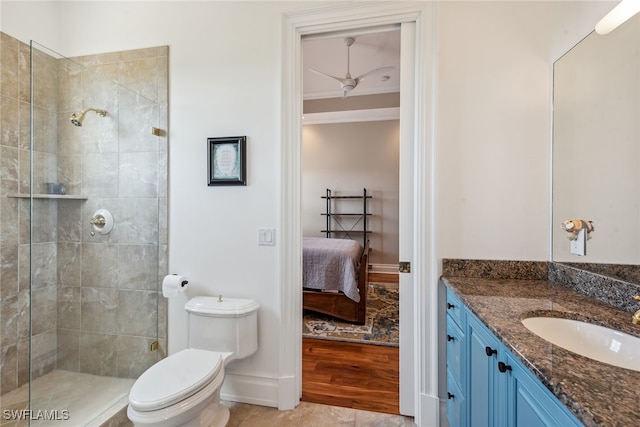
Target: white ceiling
[328, 54]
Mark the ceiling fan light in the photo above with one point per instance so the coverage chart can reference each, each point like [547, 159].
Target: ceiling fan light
[618, 15]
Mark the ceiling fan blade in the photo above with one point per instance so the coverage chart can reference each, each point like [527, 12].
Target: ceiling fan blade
[375, 71]
[340, 79]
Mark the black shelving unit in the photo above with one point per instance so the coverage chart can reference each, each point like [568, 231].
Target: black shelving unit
[335, 219]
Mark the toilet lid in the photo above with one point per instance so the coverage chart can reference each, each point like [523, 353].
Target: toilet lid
[174, 378]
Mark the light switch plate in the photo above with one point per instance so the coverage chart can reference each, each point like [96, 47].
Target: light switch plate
[579, 245]
[266, 236]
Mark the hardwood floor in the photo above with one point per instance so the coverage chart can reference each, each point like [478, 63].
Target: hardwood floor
[384, 277]
[351, 375]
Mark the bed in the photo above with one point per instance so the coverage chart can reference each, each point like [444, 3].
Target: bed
[335, 277]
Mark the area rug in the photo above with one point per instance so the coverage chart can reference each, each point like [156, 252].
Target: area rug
[381, 326]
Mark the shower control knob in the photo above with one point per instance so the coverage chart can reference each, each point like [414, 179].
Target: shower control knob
[101, 222]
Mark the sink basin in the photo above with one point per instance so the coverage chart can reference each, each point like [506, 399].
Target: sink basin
[589, 340]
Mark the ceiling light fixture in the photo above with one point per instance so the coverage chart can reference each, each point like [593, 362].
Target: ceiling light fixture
[618, 16]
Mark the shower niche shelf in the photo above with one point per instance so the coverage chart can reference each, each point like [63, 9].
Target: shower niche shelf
[49, 196]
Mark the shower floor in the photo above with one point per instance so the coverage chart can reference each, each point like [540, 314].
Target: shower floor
[83, 399]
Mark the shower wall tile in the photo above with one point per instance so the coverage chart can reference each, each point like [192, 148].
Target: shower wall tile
[69, 306]
[9, 318]
[24, 126]
[98, 354]
[43, 310]
[99, 265]
[163, 76]
[163, 183]
[24, 169]
[138, 175]
[70, 221]
[69, 98]
[138, 267]
[24, 78]
[137, 313]
[9, 69]
[24, 309]
[8, 368]
[101, 89]
[44, 85]
[23, 362]
[8, 270]
[44, 228]
[98, 134]
[9, 170]
[9, 122]
[135, 124]
[138, 220]
[75, 274]
[70, 173]
[43, 265]
[69, 264]
[44, 349]
[45, 170]
[99, 310]
[98, 59]
[100, 174]
[163, 218]
[68, 351]
[145, 53]
[141, 76]
[9, 221]
[134, 356]
[69, 136]
[44, 130]
[24, 267]
[163, 120]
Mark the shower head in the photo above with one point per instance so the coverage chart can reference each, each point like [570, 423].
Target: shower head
[77, 118]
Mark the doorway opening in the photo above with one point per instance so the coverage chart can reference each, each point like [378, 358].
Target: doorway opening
[418, 349]
[350, 191]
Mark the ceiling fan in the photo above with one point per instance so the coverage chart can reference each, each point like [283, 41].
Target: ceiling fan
[347, 82]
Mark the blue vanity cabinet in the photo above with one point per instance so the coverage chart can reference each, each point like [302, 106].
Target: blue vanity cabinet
[487, 385]
[456, 362]
[531, 404]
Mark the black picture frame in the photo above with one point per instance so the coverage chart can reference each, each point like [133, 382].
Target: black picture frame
[227, 160]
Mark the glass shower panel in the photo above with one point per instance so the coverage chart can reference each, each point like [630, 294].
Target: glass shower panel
[96, 197]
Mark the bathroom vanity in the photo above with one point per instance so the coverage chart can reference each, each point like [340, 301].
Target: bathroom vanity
[499, 373]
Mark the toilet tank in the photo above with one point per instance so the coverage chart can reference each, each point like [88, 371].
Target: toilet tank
[223, 324]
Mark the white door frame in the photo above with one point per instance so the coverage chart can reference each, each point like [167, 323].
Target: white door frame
[424, 269]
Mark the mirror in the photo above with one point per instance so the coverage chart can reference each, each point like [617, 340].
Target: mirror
[596, 147]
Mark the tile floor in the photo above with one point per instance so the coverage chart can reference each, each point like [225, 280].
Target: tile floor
[92, 400]
[311, 415]
[89, 399]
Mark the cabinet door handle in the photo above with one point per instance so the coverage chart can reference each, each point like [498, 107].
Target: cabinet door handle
[450, 396]
[490, 352]
[449, 305]
[502, 367]
[450, 338]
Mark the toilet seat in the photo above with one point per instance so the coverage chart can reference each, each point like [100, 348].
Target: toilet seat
[175, 378]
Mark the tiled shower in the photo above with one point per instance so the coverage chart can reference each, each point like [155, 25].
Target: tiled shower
[73, 300]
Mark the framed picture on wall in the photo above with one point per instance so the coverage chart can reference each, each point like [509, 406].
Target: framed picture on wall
[227, 160]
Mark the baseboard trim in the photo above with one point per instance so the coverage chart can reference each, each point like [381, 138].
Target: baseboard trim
[383, 268]
[250, 389]
[429, 411]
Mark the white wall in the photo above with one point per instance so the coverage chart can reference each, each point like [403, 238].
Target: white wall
[347, 157]
[494, 118]
[492, 143]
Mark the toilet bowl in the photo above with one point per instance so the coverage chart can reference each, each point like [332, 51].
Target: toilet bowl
[184, 388]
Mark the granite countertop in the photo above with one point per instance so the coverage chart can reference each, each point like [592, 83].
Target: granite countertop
[597, 393]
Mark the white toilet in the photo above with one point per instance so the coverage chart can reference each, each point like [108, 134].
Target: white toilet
[184, 389]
